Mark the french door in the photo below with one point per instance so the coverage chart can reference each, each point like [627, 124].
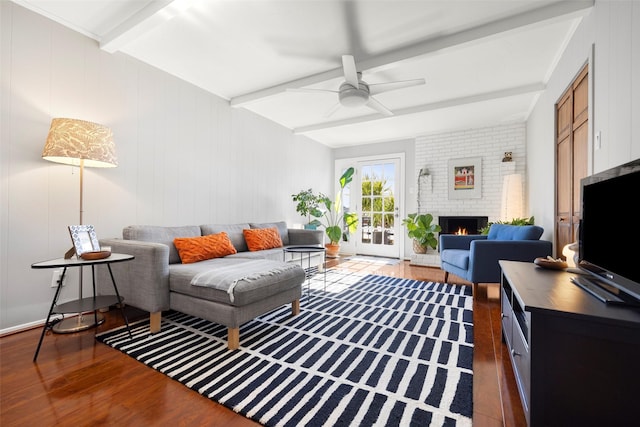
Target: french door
[375, 196]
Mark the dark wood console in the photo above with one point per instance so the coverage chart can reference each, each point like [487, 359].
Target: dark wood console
[576, 359]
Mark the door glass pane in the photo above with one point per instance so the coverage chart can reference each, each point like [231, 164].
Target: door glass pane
[346, 207]
[366, 228]
[378, 204]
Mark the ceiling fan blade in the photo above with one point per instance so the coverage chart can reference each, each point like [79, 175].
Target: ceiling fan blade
[350, 72]
[376, 88]
[332, 110]
[376, 105]
[306, 90]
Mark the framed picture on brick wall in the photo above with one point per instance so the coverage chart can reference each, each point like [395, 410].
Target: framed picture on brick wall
[465, 178]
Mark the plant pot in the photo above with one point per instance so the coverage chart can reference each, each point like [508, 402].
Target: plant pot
[310, 227]
[418, 248]
[333, 250]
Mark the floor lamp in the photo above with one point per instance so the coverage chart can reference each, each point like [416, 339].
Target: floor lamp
[512, 197]
[84, 144]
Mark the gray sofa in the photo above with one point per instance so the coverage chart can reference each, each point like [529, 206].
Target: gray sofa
[156, 280]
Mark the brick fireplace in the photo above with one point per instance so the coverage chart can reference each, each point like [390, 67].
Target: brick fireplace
[462, 224]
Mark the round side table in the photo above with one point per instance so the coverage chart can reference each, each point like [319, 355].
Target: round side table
[84, 304]
[308, 251]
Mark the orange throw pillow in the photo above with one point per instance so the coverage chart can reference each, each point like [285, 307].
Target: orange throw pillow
[262, 238]
[194, 249]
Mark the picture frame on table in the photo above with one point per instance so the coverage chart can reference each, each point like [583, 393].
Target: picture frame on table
[465, 178]
[84, 239]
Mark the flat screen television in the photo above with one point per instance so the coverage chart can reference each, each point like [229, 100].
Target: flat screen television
[609, 234]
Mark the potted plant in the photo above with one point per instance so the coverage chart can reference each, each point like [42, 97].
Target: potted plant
[307, 206]
[514, 221]
[422, 231]
[334, 217]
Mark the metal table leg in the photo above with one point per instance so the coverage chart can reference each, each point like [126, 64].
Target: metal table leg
[53, 304]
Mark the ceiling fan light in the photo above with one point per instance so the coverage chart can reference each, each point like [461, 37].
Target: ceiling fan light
[353, 97]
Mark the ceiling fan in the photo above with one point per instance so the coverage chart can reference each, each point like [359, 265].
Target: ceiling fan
[355, 92]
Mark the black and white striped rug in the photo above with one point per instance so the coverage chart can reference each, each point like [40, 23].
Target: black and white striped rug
[371, 350]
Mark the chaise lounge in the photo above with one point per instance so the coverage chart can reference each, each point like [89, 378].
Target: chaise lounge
[230, 287]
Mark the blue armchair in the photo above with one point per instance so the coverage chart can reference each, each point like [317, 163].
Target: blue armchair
[475, 257]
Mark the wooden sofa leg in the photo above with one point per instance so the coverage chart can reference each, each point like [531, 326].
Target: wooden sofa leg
[446, 276]
[233, 338]
[474, 290]
[154, 321]
[295, 307]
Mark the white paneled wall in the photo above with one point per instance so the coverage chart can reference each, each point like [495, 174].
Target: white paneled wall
[609, 40]
[433, 152]
[185, 156]
[617, 73]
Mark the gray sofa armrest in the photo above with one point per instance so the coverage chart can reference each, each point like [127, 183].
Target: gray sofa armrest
[302, 237]
[143, 281]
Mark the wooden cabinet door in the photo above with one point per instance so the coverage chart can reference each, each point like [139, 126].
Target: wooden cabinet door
[580, 143]
[572, 132]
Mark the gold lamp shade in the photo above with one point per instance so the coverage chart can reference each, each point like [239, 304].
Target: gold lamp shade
[73, 141]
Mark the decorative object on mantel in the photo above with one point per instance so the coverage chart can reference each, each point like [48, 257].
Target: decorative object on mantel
[338, 223]
[421, 229]
[79, 143]
[507, 156]
[465, 178]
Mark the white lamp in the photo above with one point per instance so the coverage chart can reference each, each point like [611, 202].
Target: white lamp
[79, 143]
[512, 197]
[570, 251]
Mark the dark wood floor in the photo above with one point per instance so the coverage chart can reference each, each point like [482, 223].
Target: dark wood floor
[77, 381]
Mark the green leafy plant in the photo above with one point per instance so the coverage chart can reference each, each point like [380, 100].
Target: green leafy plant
[514, 221]
[421, 229]
[334, 217]
[308, 204]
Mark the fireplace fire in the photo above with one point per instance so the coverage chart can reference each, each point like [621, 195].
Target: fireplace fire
[462, 224]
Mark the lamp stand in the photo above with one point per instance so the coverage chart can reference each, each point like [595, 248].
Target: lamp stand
[80, 322]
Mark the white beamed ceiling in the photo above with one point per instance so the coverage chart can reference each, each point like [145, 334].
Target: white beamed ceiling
[485, 62]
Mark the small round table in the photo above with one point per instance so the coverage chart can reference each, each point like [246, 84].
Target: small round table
[308, 251]
[85, 304]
